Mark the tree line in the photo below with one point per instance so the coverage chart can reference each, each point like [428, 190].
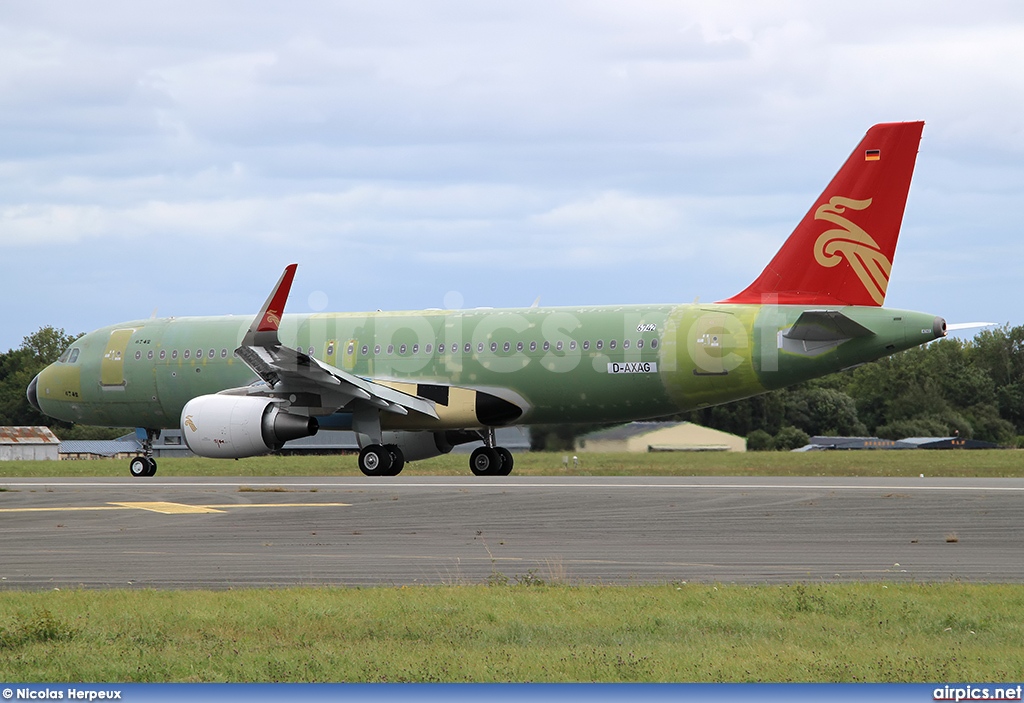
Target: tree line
[972, 388]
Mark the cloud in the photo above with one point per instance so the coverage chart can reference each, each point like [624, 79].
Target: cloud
[402, 150]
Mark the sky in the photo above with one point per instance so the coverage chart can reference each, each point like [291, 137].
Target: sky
[174, 157]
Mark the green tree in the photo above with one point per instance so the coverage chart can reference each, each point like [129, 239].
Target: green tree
[789, 438]
[47, 344]
[823, 411]
[760, 441]
[19, 366]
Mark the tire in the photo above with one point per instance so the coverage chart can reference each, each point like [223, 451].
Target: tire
[397, 459]
[139, 467]
[375, 460]
[506, 461]
[484, 462]
[152, 466]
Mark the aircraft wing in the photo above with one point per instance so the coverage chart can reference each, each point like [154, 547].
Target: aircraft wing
[318, 386]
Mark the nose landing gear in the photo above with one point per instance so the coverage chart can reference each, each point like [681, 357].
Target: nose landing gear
[144, 465]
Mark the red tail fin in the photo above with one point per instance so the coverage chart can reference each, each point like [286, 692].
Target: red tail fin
[841, 252]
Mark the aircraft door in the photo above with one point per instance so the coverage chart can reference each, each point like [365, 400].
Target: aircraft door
[112, 364]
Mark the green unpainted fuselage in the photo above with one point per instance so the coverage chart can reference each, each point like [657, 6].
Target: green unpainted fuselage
[568, 364]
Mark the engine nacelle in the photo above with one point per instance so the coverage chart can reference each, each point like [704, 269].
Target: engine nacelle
[233, 426]
[424, 445]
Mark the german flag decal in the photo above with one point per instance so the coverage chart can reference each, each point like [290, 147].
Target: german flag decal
[873, 155]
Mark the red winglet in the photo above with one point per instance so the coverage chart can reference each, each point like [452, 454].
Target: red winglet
[270, 320]
[263, 331]
[841, 252]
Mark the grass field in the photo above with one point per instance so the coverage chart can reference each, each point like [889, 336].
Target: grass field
[525, 632]
[527, 629]
[932, 463]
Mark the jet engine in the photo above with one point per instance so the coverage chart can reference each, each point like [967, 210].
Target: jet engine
[424, 445]
[233, 427]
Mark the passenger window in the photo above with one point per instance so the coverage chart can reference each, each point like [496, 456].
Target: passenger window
[415, 348]
[639, 344]
[468, 348]
[174, 354]
[611, 344]
[547, 345]
[558, 347]
[507, 346]
[223, 353]
[440, 348]
[533, 346]
[376, 350]
[401, 350]
[494, 346]
[625, 344]
[572, 345]
[391, 349]
[186, 353]
[138, 355]
[586, 344]
[519, 346]
[654, 344]
[365, 350]
[163, 354]
[480, 348]
[213, 353]
[600, 344]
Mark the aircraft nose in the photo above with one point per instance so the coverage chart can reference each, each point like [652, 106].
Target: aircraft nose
[33, 394]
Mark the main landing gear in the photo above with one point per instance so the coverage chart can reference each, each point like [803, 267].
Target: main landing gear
[491, 461]
[381, 460]
[388, 459]
[144, 465]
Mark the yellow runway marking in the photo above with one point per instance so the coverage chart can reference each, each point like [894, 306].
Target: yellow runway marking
[170, 508]
[174, 508]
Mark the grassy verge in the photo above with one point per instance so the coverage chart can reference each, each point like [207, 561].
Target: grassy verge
[984, 463]
[801, 632]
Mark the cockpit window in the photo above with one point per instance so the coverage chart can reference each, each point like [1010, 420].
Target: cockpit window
[74, 356]
[64, 357]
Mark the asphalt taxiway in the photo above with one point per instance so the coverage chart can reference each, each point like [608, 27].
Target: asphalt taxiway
[256, 532]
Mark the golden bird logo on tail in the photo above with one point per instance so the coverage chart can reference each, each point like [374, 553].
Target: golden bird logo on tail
[853, 244]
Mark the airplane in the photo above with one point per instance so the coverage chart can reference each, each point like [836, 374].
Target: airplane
[412, 385]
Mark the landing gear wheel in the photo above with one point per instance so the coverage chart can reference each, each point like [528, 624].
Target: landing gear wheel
[485, 462]
[506, 461]
[375, 460]
[142, 466]
[397, 459]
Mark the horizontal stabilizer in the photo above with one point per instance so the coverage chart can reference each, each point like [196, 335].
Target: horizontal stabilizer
[969, 325]
[825, 326]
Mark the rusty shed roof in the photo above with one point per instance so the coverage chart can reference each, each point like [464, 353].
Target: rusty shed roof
[27, 435]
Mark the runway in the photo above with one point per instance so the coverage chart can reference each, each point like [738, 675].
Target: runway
[256, 532]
